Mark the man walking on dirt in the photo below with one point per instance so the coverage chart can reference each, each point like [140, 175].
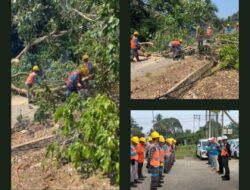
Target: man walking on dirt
[154, 161]
[135, 46]
[141, 152]
[134, 161]
[225, 154]
[30, 81]
[199, 36]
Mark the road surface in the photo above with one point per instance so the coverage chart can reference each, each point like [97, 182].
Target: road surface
[19, 105]
[194, 174]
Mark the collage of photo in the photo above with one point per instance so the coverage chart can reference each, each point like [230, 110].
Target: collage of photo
[66, 89]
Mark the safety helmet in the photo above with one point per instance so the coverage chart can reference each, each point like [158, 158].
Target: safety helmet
[168, 140]
[142, 139]
[155, 135]
[149, 138]
[237, 23]
[228, 24]
[161, 139]
[135, 139]
[136, 33]
[224, 137]
[219, 139]
[180, 40]
[209, 27]
[84, 57]
[35, 68]
[84, 71]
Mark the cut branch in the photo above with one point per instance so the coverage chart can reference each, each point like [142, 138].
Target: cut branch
[82, 15]
[19, 74]
[53, 34]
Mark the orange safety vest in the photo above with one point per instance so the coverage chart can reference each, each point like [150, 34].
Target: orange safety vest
[155, 161]
[162, 154]
[176, 43]
[30, 78]
[135, 157]
[140, 151]
[224, 151]
[133, 44]
[168, 152]
[209, 32]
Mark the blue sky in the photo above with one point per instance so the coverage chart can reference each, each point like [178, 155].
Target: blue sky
[226, 7]
[186, 117]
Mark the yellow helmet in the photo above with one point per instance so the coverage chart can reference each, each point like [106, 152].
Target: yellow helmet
[228, 24]
[135, 139]
[155, 134]
[161, 139]
[136, 33]
[169, 141]
[180, 40]
[35, 68]
[142, 139]
[209, 27]
[84, 71]
[237, 23]
[84, 57]
[149, 138]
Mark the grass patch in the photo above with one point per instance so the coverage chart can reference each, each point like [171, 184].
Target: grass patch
[185, 151]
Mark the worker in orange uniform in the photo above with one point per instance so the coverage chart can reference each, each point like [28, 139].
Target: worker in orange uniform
[135, 46]
[175, 45]
[209, 32]
[167, 166]
[162, 155]
[134, 161]
[147, 150]
[141, 152]
[154, 161]
[30, 81]
[225, 154]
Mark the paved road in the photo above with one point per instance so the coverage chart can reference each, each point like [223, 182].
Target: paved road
[19, 105]
[150, 65]
[194, 174]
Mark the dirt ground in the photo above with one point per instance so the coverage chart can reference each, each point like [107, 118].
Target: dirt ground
[221, 85]
[32, 171]
[194, 174]
[151, 80]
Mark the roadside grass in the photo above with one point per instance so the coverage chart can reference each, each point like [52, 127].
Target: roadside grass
[184, 151]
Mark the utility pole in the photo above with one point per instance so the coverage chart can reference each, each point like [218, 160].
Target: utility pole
[222, 122]
[153, 117]
[207, 134]
[209, 124]
[196, 117]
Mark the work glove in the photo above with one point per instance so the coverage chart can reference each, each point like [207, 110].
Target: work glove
[133, 162]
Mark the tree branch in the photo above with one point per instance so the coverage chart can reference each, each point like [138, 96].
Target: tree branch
[82, 15]
[18, 74]
[231, 118]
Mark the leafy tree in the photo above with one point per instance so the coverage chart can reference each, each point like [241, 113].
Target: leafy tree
[136, 129]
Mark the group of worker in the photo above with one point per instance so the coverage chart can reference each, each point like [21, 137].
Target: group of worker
[175, 44]
[160, 155]
[73, 82]
[218, 150]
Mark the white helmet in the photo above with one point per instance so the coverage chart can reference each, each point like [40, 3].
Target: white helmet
[210, 138]
[219, 138]
[224, 137]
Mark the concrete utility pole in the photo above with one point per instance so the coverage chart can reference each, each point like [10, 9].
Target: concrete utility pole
[196, 117]
[222, 122]
[153, 117]
[209, 124]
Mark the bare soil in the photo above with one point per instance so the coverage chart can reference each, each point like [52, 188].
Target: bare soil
[157, 81]
[221, 85]
[33, 171]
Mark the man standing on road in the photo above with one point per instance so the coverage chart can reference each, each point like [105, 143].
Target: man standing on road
[213, 154]
[167, 166]
[208, 149]
[219, 148]
[147, 150]
[135, 46]
[162, 154]
[141, 151]
[225, 154]
[134, 162]
[154, 161]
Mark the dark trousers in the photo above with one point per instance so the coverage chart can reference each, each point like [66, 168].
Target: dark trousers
[154, 177]
[140, 165]
[220, 163]
[225, 165]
